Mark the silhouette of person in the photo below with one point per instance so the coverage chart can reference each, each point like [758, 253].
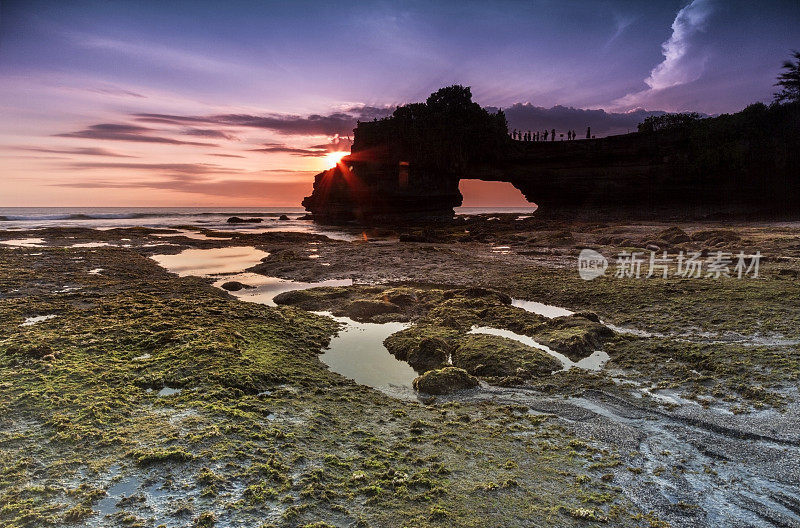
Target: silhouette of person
[588, 132]
[545, 135]
[569, 135]
[553, 135]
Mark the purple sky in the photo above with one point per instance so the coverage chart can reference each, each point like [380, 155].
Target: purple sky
[236, 103]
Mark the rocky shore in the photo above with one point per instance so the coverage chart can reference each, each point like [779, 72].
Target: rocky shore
[134, 397]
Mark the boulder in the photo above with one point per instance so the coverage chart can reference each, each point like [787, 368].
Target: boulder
[365, 309]
[576, 336]
[235, 286]
[283, 217]
[477, 292]
[445, 381]
[674, 235]
[495, 357]
[237, 220]
[430, 353]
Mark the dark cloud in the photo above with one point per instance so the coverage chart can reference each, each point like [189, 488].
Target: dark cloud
[562, 118]
[279, 148]
[226, 155]
[342, 122]
[117, 132]
[191, 169]
[80, 151]
[209, 132]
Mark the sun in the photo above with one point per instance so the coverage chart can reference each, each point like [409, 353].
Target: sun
[332, 158]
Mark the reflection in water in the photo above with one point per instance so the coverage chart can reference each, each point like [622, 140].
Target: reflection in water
[23, 242]
[546, 310]
[202, 262]
[550, 311]
[194, 235]
[264, 289]
[593, 362]
[357, 352]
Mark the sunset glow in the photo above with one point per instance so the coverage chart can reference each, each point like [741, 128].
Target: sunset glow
[332, 158]
[242, 104]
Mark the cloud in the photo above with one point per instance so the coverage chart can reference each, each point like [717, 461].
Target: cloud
[341, 122]
[118, 92]
[153, 53]
[186, 169]
[118, 132]
[80, 151]
[226, 155]
[684, 58]
[208, 132]
[279, 148]
[529, 117]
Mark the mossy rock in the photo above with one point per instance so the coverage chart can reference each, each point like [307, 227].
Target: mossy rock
[495, 357]
[364, 310]
[445, 381]
[420, 343]
[576, 336]
[313, 298]
[674, 235]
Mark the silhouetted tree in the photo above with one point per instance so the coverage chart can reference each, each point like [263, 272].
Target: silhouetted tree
[668, 122]
[789, 81]
[446, 133]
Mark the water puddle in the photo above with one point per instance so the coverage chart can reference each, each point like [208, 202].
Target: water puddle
[550, 311]
[546, 310]
[23, 242]
[194, 235]
[168, 391]
[593, 362]
[30, 321]
[204, 262]
[357, 352]
[89, 245]
[263, 289]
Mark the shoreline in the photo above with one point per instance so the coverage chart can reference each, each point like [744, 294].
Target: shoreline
[575, 421]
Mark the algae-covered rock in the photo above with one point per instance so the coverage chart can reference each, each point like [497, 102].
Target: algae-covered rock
[424, 347]
[576, 336]
[445, 381]
[493, 356]
[674, 235]
[235, 286]
[485, 293]
[362, 310]
[430, 353]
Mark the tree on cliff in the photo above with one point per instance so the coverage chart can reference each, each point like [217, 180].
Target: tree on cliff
[446, 133]
[789, 81]
[669, 122]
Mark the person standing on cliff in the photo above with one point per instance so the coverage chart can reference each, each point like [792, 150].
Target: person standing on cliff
[588, 132]
[553, 135]
[545, 135]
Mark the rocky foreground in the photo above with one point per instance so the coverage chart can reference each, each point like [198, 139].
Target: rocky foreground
[138, 398]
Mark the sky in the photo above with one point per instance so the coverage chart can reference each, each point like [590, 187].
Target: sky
[195, 103]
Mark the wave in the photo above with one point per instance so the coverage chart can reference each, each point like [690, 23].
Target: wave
[133, 216]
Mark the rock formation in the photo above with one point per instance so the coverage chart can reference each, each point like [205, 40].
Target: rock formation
[407, 167]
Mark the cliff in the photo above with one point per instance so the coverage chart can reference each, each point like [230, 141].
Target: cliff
[407, 167]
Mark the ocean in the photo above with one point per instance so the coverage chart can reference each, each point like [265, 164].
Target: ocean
[17, 218]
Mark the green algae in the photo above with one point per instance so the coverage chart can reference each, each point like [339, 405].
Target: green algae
[257, 430]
